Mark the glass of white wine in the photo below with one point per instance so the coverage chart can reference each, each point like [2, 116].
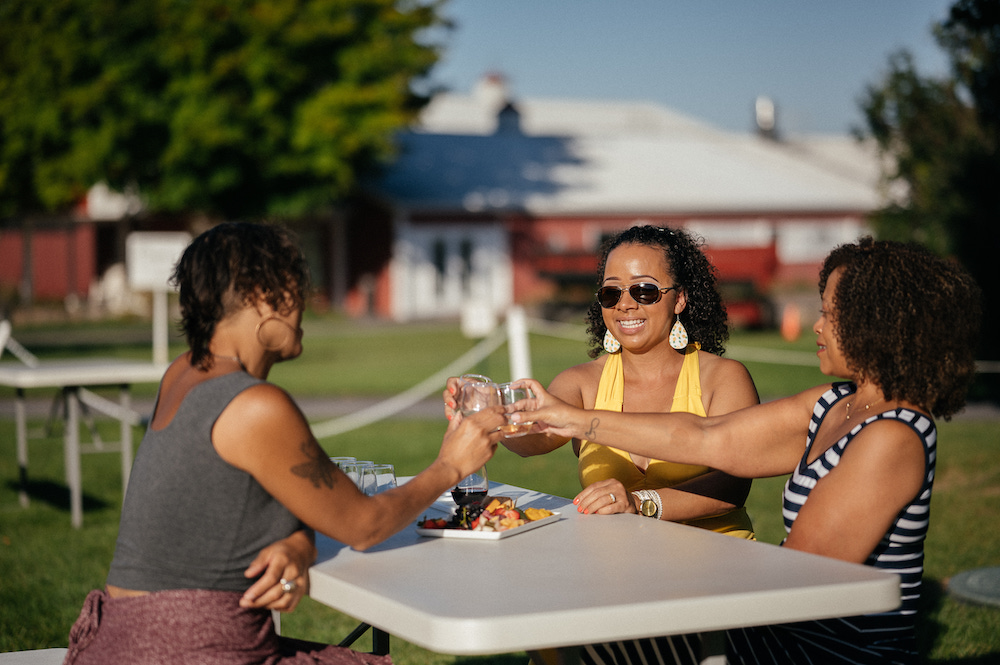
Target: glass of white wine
[509, 395]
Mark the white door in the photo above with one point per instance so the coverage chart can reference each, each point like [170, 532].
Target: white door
[440, 270]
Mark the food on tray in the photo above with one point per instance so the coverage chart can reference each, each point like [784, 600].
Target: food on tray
[496, 513]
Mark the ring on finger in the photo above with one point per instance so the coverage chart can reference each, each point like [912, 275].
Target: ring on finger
[612, 497]
[288, 586]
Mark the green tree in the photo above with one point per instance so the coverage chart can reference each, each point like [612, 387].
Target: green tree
[941, 142]
[227, 108]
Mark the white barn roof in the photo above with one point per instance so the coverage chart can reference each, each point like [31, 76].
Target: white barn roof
[555, 157]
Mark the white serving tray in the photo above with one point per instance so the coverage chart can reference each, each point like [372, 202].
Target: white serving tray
[487, 535]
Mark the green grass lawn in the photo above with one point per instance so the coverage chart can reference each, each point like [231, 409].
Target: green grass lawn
[48, 567]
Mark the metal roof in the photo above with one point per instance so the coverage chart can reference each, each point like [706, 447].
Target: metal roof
[554, 157]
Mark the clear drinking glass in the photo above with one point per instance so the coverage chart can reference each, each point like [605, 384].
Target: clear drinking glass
[354, 470]
[378, 478]
[509, 395]
[340, 461]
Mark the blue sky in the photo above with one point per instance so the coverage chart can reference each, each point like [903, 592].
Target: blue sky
[706, 58]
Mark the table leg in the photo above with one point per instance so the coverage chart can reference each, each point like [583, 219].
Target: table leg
[126, 438]
[713, 648]
[71, 453]
[21, 425]
[380, 642]
[380, 639]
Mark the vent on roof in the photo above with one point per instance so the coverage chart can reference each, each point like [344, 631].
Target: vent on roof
[765, 116]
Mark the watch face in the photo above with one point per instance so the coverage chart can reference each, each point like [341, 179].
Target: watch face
[648, 508]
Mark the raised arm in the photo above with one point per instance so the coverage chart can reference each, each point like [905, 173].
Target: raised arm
[264, 433]
[755, 442]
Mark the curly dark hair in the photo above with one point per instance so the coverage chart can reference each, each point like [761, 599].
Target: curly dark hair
[704, 317]
[225, 268]
[907, 320]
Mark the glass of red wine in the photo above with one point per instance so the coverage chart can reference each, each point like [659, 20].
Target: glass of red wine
[471, 488]
[475, 394]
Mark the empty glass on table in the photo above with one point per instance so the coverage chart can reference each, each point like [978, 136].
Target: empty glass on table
[341, 461]
[354, 470]
[377, 478]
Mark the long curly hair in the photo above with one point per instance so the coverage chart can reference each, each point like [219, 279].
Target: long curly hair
[907, 320]
[704, 317]
[230, 266]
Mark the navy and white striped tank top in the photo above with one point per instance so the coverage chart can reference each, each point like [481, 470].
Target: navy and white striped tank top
[888, 637]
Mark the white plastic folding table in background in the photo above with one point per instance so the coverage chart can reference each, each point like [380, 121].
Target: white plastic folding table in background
[72, 377]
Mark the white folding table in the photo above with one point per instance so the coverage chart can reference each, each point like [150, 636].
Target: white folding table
[584, 579]
[72, 377]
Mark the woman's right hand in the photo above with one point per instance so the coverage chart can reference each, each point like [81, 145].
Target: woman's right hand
[470, 441]
[550, 414]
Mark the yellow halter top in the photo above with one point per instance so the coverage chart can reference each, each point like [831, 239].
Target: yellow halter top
[599, 462]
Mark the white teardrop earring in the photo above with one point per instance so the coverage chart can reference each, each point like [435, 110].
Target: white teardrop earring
[611, 345]
[678, 335]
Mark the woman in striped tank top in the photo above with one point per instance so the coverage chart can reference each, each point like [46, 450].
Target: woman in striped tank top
[901, 325]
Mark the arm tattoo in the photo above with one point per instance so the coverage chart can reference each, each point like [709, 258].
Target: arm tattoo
[318, 469]
[592, 432]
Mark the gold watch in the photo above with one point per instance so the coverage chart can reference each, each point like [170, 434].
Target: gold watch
[648, 508]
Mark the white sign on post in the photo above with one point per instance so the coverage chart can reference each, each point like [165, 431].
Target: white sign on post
[150, 258]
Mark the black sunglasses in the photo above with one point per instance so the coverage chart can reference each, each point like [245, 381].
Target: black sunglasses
[642, 293]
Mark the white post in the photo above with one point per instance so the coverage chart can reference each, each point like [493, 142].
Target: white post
[160, 323]
[517, 344]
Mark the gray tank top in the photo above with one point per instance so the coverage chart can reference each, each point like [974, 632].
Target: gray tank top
[190, 519]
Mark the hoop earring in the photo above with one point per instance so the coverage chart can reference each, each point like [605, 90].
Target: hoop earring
[263, 342]
[611, 345]
[678, 335]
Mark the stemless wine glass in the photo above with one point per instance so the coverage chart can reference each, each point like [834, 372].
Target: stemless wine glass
[475, 395]
[509, 395]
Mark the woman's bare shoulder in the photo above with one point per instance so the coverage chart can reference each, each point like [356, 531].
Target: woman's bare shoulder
[577, 385]
[257, 423]
[716, 370]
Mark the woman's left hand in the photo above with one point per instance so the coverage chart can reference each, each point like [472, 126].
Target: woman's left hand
[605, 497]
[283, 568]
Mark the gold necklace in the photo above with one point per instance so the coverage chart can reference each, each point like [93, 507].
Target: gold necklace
[237, 360]
[867, 407]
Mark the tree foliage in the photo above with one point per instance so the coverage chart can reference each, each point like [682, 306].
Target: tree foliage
[941, 141]
[224, 107]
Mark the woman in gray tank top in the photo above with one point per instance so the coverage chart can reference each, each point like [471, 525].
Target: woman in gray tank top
[229, 482]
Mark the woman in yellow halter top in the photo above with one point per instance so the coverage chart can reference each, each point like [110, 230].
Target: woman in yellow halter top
[655, 284]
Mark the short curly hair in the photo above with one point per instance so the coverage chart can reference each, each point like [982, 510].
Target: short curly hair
[907, 320]
[704, 317]
[228, 267]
